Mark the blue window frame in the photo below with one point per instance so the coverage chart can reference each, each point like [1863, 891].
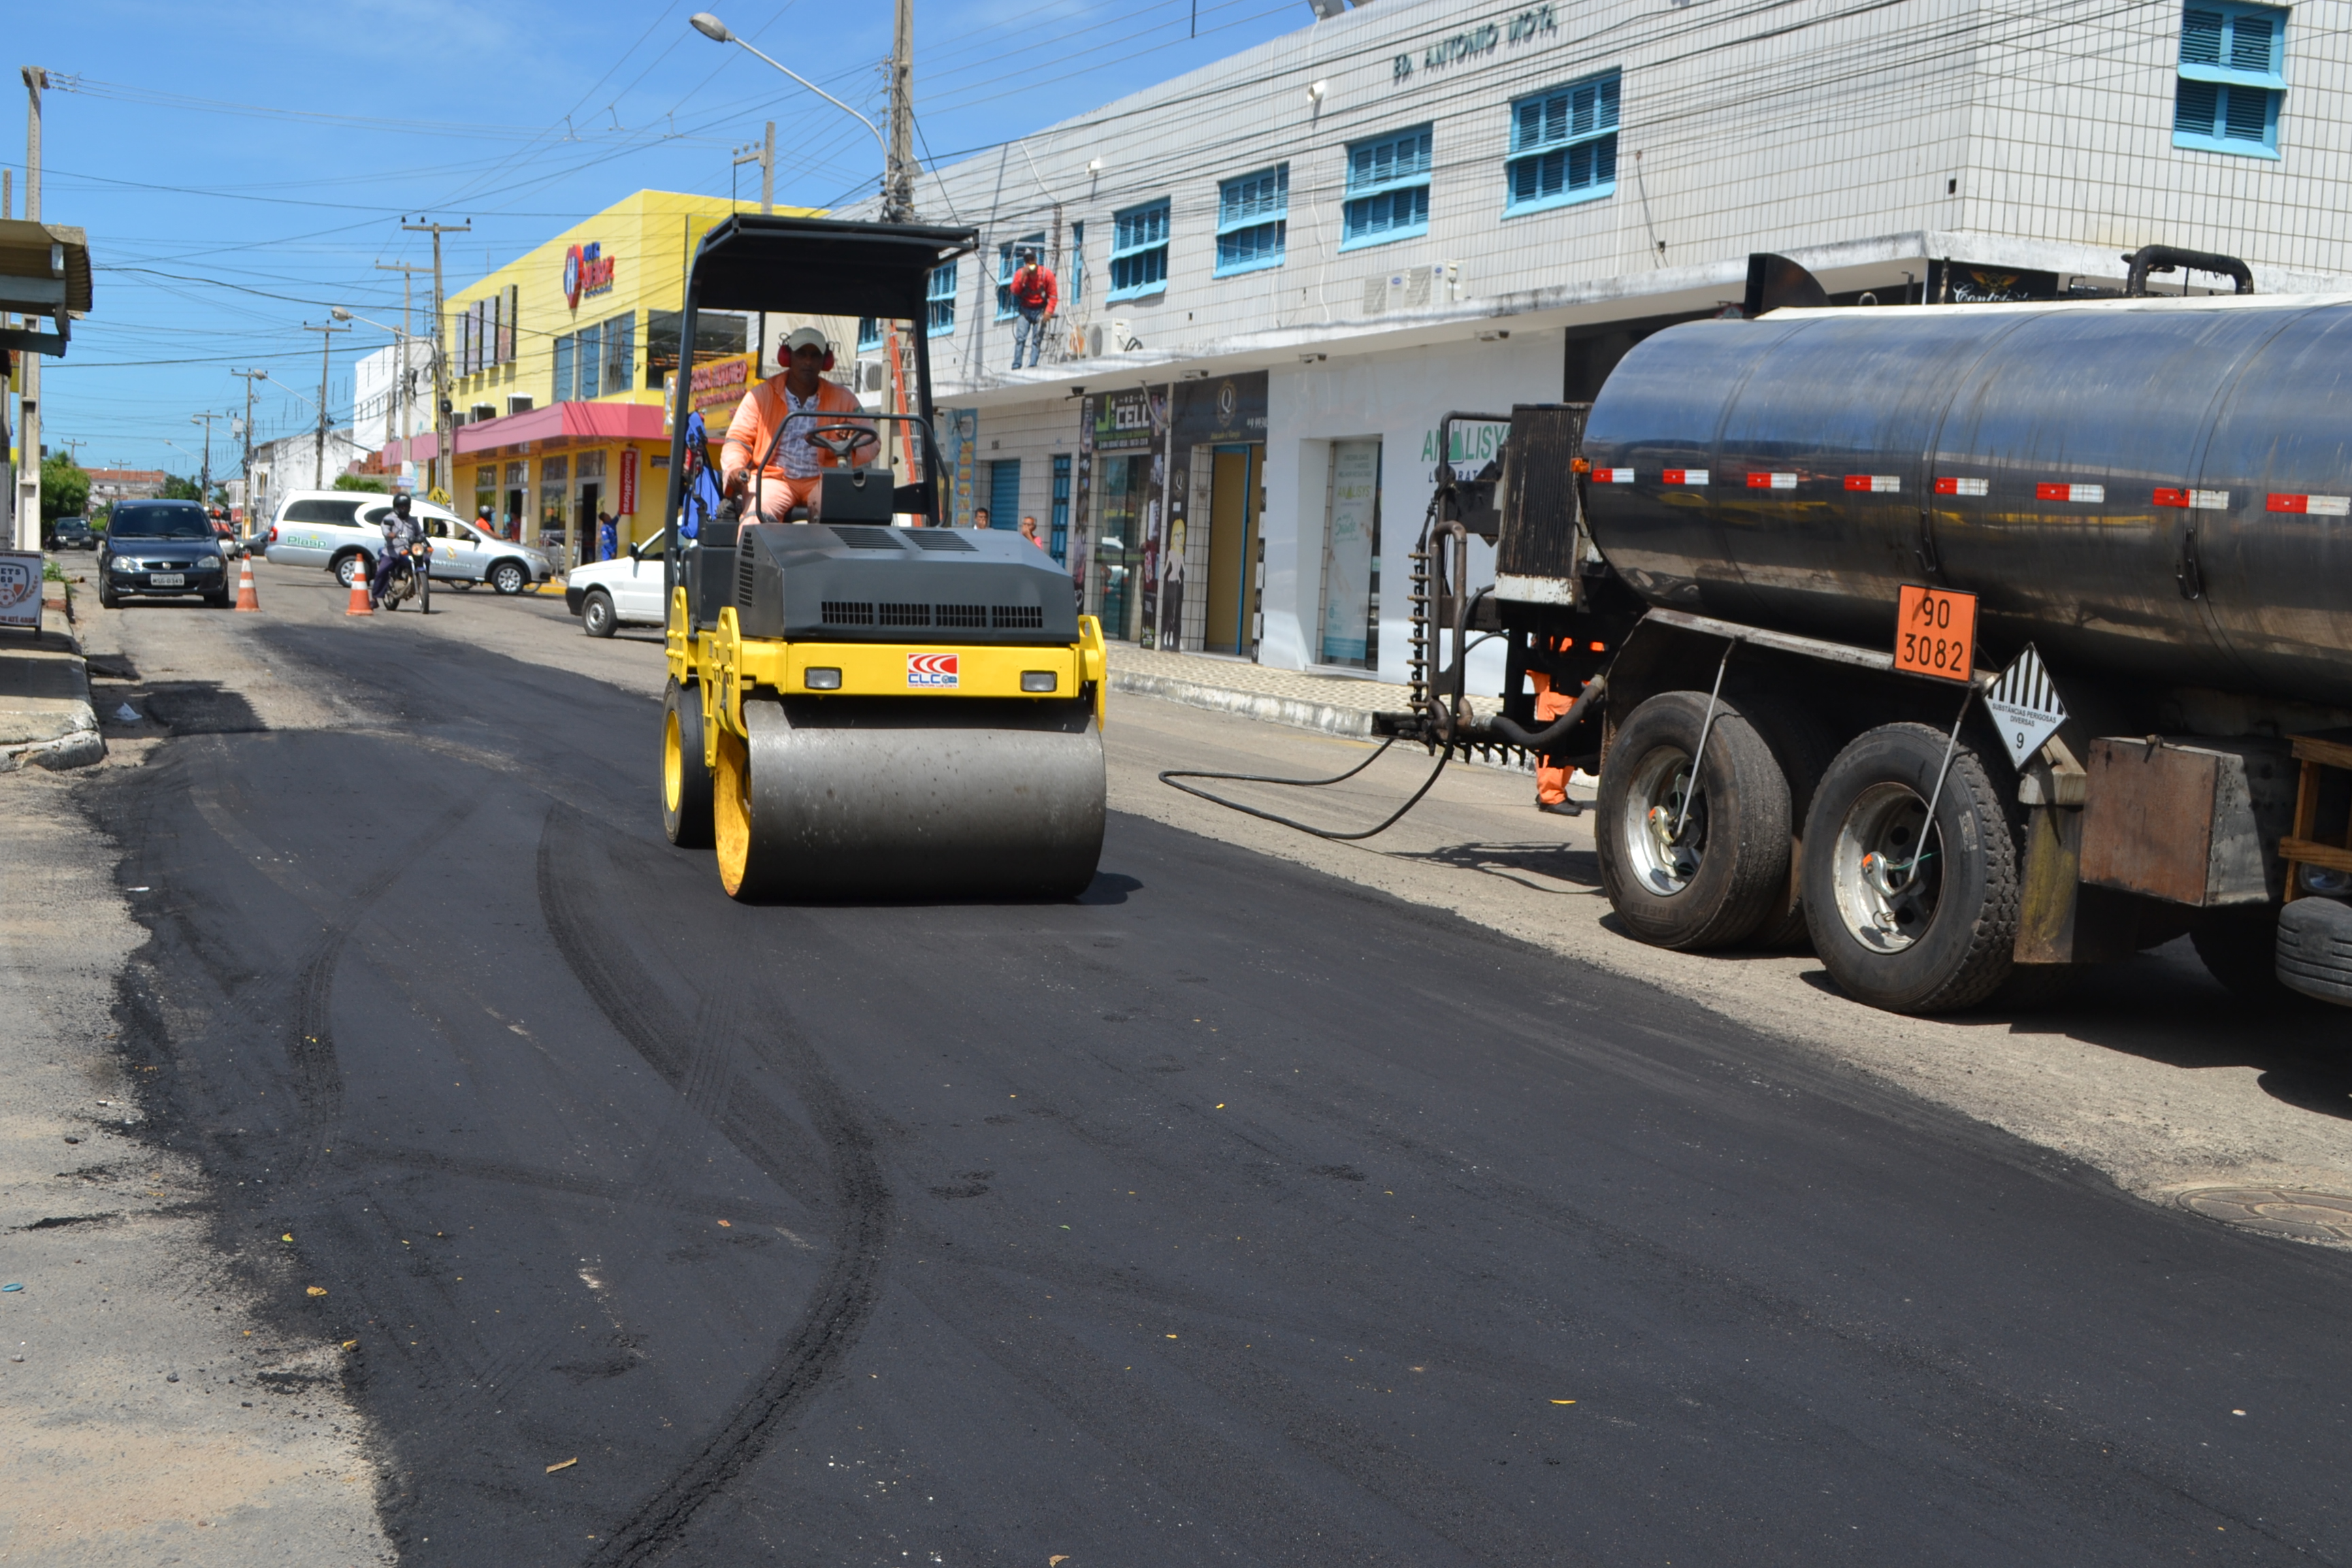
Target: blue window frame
[939, 312]
[1057, 535]
[1388, 189]
[1139, 250]
[1253, 221]
[869, 333]
[1078, 278]
[1563, 146]
[2233, 79]
[1008, 256]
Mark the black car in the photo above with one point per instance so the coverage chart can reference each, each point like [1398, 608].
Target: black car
[72, 533]
[161, 547]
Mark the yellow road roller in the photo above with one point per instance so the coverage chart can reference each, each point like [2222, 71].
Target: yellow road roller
[862, 703]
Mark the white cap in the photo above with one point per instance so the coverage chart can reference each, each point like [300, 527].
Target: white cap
[802, 338]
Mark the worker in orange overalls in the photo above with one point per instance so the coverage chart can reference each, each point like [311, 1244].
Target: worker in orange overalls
[1552, 782]
[797, 476]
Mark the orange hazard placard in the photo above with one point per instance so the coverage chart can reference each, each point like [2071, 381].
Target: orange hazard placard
[1936, 633]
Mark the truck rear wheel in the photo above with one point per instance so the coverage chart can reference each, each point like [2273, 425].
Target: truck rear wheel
[686, 782]
[1804, 745]
[2239, 947]
[1685, 866]
[1906, 916]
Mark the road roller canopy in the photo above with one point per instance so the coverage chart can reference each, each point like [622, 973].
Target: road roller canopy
[822, 267]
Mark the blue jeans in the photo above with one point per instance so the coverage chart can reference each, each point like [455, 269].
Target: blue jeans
[1028, 332]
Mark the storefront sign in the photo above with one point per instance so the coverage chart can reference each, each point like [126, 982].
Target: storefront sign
[959, 435]
[20, 591]
[1475, 446]
[1226, 412]
[625, 504]
[1471, 42]
[717, 387]
[1123, 422]
[587, 272]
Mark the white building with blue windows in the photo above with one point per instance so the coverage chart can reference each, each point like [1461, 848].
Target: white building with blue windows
[1279, 272]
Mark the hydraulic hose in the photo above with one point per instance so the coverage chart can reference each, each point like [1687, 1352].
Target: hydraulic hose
[1558, 730]
[1173, 774]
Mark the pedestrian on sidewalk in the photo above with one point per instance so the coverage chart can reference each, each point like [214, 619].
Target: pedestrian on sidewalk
[1029, 532]
[980, 519]
[1033, 298]
[608, 537]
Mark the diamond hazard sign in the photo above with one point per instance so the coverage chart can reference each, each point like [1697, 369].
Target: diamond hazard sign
[2025, 705]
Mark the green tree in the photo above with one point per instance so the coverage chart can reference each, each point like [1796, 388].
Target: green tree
[65, 487]
[177, 488]
[360, 483]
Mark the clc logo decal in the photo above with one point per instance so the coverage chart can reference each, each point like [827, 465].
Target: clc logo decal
[931, 668]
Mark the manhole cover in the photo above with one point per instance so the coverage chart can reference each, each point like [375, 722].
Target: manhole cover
[2279, 1211]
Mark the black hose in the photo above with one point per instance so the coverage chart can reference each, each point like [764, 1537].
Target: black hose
[1556, 732]
[1173, 774]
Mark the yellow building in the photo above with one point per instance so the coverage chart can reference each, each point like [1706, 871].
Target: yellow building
[559, 371]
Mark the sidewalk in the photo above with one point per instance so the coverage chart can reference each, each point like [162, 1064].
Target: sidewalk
[1334, 704]
[45, 715]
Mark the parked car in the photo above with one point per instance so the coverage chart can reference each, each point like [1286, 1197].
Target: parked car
[161, 547]
[341, 530]
[626, 591]
[72, 533]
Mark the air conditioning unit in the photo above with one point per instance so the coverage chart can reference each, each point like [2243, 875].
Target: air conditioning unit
[518, 403]
[1120, 339]
[481, 411]
[872, 374]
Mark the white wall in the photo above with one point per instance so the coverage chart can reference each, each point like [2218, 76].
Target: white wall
[1399, 398]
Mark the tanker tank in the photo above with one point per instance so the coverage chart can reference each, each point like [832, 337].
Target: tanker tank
[2145, 489]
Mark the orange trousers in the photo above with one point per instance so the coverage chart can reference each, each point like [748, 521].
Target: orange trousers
[779, 494]
[1552, 782]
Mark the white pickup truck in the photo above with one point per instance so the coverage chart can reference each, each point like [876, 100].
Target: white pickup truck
[343, 531]
[625, 590]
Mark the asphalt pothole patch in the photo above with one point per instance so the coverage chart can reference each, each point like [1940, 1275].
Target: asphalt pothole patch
[2290, 1212]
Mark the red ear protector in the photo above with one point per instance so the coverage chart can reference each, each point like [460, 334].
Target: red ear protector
[784, 356]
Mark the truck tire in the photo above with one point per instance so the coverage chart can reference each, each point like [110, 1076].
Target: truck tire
[1729, 870]
[2314, 950]
[1933, 942]
[686, 782]
[1804, 745]
[2240, 948]
[596, 617]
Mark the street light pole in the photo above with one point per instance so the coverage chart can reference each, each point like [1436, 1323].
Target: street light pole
[441, 454]
[318, 459]
[899, 195]
[28, 423]
[407, 395]
[901, 73]
[205, 478]
[245, 471]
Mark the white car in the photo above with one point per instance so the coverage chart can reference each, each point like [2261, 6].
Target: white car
[343, 531]
[627, 591]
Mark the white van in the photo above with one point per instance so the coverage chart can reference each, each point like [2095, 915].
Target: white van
[343, 531]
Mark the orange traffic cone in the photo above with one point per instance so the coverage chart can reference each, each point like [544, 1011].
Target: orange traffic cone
[359, 605]
[247, 598]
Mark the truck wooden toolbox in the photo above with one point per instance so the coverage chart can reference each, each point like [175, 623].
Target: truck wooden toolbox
[1973, 644]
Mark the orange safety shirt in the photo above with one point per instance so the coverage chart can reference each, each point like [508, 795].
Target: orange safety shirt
[763, 409]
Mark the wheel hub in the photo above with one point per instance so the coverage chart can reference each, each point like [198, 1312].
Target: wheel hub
[1666, 833]
[1887, 879]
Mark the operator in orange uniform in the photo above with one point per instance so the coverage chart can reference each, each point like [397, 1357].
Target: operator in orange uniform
[796, 477]
[1552, 782]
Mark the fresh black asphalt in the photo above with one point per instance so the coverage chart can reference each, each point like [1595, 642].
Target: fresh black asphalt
[1230, 1213]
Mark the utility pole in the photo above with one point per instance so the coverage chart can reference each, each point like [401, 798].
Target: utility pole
[251, 377]
[28, 423]
[407, 276]
[898, 189]
[205, 475]
[319, 457]
[441, 456]
[763, 154]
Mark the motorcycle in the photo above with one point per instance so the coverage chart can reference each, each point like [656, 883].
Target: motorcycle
[411, 578]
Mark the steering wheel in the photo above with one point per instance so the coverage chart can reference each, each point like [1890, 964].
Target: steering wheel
[845, 441]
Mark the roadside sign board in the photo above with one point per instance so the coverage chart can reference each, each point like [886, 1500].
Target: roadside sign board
[2025, 705]
[1935, 632]
[20, 590]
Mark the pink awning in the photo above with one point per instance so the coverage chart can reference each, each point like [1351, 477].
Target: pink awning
[579, 421]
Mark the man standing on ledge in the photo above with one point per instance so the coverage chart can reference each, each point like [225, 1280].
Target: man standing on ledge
[1033, 298]
[796, 477]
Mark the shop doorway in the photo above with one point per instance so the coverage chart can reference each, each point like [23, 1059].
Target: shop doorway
[1236, 496]
[584, 526]
[1005, 493]
[1352, 550]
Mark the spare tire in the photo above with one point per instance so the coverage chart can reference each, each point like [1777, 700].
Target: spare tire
[2314, 948]
[1692, 866]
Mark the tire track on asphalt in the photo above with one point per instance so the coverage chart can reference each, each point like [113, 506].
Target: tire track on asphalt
[846, 1296]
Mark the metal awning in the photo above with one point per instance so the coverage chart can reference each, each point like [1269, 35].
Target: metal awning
[44, 272]
[821, 268]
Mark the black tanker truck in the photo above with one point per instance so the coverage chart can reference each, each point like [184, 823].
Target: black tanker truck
[1973, 644]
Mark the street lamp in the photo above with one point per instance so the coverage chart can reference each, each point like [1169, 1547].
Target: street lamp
[711, 28]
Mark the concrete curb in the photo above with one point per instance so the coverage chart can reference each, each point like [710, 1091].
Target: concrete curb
[1297, 713]
[74, 742]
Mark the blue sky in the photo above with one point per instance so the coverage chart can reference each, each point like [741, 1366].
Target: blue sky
[241, 168]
